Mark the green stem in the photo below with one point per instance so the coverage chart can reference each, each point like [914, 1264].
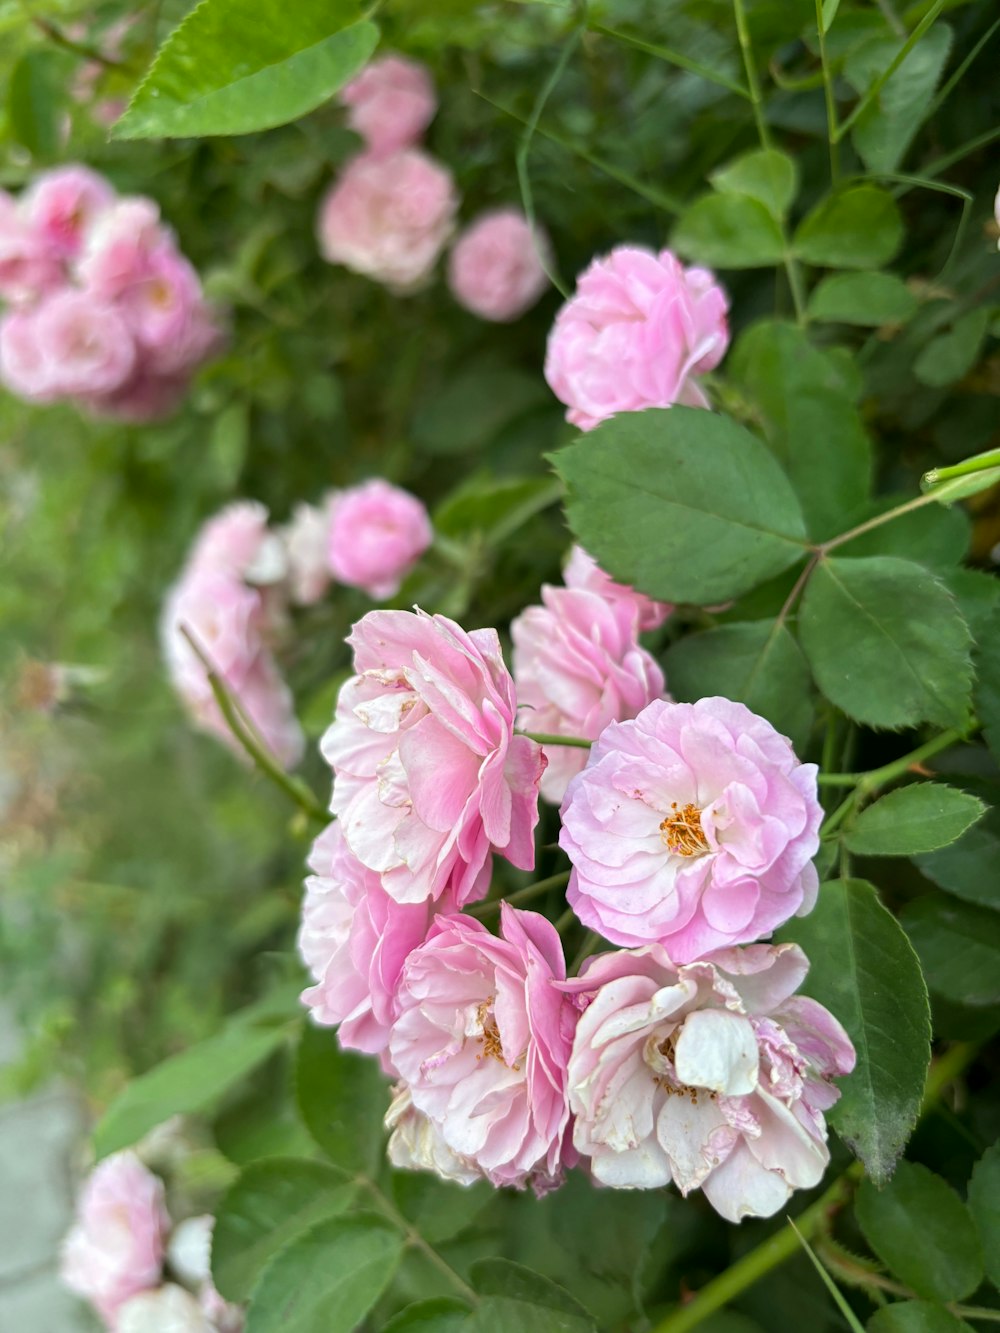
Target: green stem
[589, 946]
[245, 733]
[753, 83]
[877, 522]
[831, 105]
[673, 58]
[550, 738]
[59, 38]
[978, 463]
[415, 1239]
[879, 83]
[794, 275]
[524, 895]
[975, 1312]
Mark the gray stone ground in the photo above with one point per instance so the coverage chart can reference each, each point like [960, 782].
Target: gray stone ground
[38, 1139]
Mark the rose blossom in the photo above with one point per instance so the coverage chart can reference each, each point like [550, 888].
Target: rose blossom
[496, 269]
[482, 1042]
[24, 368]
[693, 825]
[306, 538]
[577, 667]
[118, 245]
[189, 1255]
[583, 571]
[389, 217]
[28, 268]
[169, 1309]
[84, 345]
[377, 533]
[115, 1248]
[637, 330]
[390, 103]
[60, 205]
[429, 778]
[354, 939]
[417, 1144]
[714, 1075]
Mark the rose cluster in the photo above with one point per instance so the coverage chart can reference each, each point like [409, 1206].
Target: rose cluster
[391, 211]
[139, 1271]
[104, 310]
[685, 1055]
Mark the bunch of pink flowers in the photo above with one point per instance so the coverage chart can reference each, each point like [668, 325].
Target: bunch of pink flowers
[103, 309]
[685, 1055]
[139, 1271]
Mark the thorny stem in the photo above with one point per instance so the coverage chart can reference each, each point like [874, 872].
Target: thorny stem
[245, 733]
[414, 1238]
[881, 777]
[784, 1244]
[524, 895]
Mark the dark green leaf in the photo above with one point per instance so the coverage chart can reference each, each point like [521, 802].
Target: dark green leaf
[34, 102]
[969, 868]
[922, 1230]
[729, 231]
[916, 1317]
[940, 536]
[866, 973]
[984, 1204]
[438, 1209]
[493, 507]
[328, 1278]
[681, 503]
[764, 174]
[913, 819]
[869, 299]
[858, 227]
[342, 1097]
[959, 948]
[230, 69]
[754, 662]
[886, 642]
[516, 1300]
[885, 129]
[951, 355]
[466, 413]
[442, 1315]
[271, 1203]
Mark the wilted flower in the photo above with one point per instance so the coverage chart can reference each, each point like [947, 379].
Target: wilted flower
[693, 825]
[495, 268]
[417, 1144]
[376, 534]
[390, 103]
[169, 1309]
[713, 1075]
[638, 330]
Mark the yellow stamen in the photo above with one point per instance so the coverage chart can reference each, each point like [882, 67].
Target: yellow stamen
[682, 833]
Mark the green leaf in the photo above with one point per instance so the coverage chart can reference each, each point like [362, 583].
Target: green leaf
[940, 535]
[233, 69]
[868, 299]
[829, 13]
[343, 1098]
[271, 1203]
[959, 947]
[811, 422]
[755, 663]
[921, 1229]
[444, 1314]
[190, 1081]
[35, 102]
[866, 973]
[493, 507]
[886, 642]
[913, 819]
[764, 174]
[858, 227]
[328, 1278]
[681, 503]
[729, 231]
[916, 1317]
[984, 1204]
[948, 484]
[517, 1300]
[836, 1295]
[439, 1209]
[470, 409]
[885, 129]
[951, 355]
[969, 868]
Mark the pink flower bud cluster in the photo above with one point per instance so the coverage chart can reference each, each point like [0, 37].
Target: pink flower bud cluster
[687, 1058]
[104, 310]
[391, 212]
[139, 1272]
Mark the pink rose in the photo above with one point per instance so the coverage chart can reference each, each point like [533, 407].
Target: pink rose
[167, 314]
[712, 1075]
[84, 344]
[189, 1255]
[482, 1043]
[583, 571]
[355, 939]
[306, 538]
[496, 267]
[577, 667]
[61, 204]
[118, 245]
[390, 103]
[377, 533]
[417, 1144]
[28, 268]
[115, 1248]
[429, 778]
[169, 1309]
[24, 368]
[638, 329]
[238, 542]
[389, 217]
[693, 825]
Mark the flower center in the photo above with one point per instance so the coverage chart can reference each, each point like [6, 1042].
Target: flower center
[491, 1043]
[682, 833]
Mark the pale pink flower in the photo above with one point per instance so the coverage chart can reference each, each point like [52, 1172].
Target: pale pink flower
[355, 939]
[482, 1043]
[578, 666]
[377, 533]
[417, 1144]
[28, 268]
[693, 825]
[85, 345]
[713, 1075]
[496, 267]
[389, 217]
[118, 246]
[583, 571]
[237, 541]
[638, 330]
[24, 368]
[189, 1255]
[143, 397]
[429, 778]
[115, 1248]
[307, 538]
[169, 1309]
[167, 314]
[390, 103]
[61, 204]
